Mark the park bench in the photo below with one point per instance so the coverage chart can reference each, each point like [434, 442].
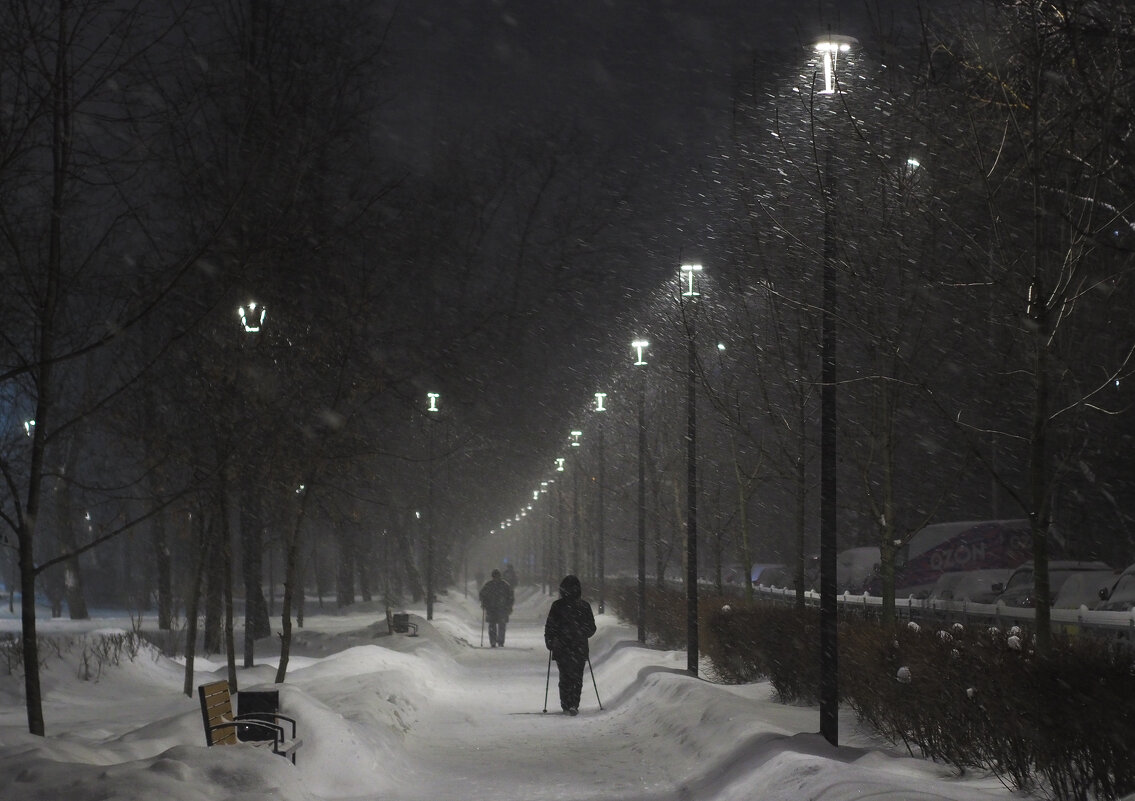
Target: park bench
[257, 729]
[399, 623]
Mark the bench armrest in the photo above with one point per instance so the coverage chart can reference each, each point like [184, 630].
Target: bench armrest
[253, 717]
[277, 731]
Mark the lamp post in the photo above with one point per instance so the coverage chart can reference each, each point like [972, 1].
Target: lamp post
[640, 346]
[600, 560]
[431, 409]
[256, 623]
[829, 47]
[559, 573]
[687, 274]
[576, 533]
[548, 564]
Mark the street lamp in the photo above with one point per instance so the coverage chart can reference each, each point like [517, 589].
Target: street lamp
[576, 528]
[431, 408]
[687, 273]
[640, 345]
[601, 547]
[830, 47]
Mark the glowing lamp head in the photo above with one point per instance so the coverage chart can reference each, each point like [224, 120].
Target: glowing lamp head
[250, 320]
[687, 273]
[575, 435]
[560, 464]
[599, 398]
[640, 345]
[433, 398]
[830, 47]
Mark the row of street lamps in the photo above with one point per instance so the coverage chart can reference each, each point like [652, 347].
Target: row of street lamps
[829, 48]
[639, 346]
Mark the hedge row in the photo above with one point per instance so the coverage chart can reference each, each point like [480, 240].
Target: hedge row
[972, 697]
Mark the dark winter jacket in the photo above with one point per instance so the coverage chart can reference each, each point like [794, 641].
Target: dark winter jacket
[570, 622]
[497, 600]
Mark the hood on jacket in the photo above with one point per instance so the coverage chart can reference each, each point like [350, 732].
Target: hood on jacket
[570, 587]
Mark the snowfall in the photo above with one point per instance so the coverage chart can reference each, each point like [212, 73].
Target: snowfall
[440, 716]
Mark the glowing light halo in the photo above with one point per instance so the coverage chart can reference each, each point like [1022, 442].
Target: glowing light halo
[433, 398]
[599, 397]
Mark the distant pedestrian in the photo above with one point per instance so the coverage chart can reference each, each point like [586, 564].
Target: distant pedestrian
[510, 575]
[570, 623]
[496, 600]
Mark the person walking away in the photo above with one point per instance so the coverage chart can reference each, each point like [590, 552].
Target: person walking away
[570, 624]
[510, 575]
[496, 599]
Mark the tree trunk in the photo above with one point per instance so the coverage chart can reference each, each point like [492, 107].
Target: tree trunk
[291, 574]
[160, 542]
[192, 603]
[345, 568]
[256, 622]
[227, 585]
[214, 590]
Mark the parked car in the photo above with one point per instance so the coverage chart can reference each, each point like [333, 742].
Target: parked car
[778, 576]
[1083, 589]
[765, 573]
[855, 567]
[1120, 597]
[1019, 590]
[974, 586]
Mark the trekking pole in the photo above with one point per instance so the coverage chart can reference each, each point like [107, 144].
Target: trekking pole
[547, 682]
[593, 684]
[482, 628]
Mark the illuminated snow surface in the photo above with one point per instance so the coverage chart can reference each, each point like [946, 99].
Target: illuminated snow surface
[437, 718]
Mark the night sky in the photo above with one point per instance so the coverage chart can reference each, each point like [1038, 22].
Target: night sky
[649, 83]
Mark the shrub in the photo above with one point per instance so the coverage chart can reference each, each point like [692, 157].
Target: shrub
[972, 697]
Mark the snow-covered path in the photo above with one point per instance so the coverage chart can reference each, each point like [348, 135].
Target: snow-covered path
[495, 736]
[438, 718]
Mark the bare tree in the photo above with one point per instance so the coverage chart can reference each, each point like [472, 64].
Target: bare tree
[1044, 89]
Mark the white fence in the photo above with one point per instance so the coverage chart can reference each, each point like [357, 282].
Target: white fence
[1113, 626]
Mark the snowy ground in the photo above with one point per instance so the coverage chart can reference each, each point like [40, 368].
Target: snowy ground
[438, 718]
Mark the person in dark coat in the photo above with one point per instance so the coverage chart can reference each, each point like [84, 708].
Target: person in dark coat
[496, 600]
[570, 623]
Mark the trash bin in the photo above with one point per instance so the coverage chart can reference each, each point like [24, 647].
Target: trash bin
[255, 704]
[400, 622]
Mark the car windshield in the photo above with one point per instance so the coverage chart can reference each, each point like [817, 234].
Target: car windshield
[1057, 578]
[1124, 588]
[1020, 579]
